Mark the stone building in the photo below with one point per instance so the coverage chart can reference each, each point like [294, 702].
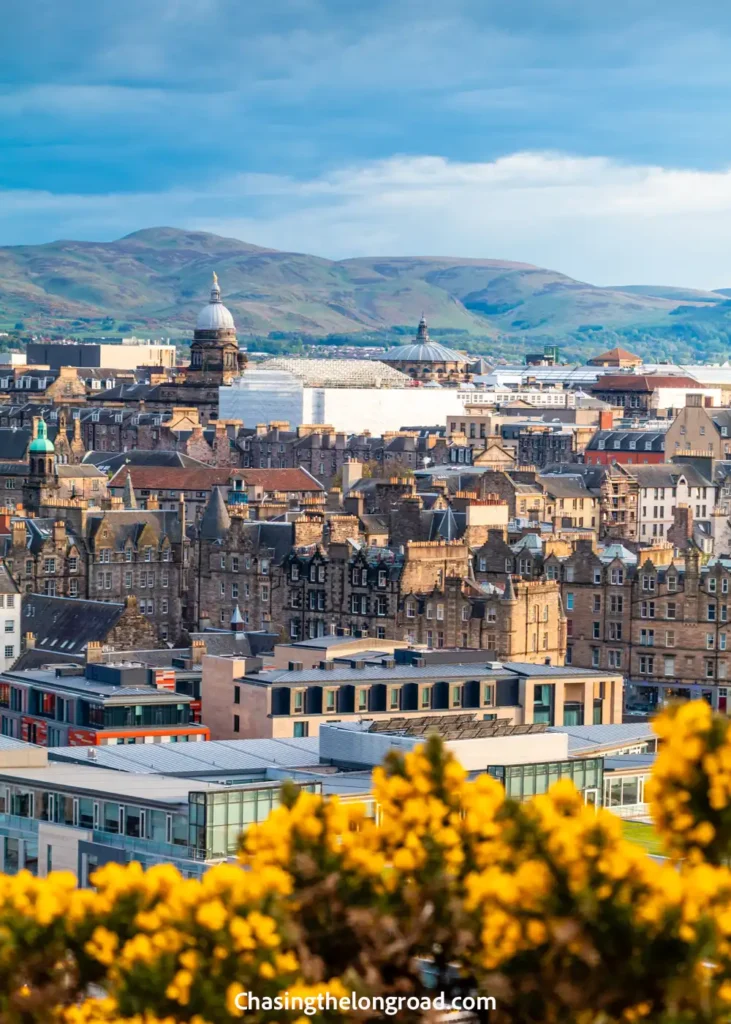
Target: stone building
[427, 360]
[105, 556]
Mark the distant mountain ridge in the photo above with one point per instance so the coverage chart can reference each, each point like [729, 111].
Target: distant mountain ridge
[155, 280]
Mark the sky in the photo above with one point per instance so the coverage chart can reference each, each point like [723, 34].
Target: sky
[587, 137]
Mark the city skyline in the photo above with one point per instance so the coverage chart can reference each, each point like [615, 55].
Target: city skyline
[580, 139]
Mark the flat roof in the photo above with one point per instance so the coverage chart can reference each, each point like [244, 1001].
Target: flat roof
[597, 737]
[105, 782]
[213, 756]
[400, 673]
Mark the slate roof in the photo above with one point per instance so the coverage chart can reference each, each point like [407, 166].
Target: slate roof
[112, 461]
[63, 626]
[14, 442]
[215, 521]
[667, 474]
[627, 441]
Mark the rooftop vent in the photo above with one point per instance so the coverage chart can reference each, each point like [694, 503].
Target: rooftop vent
[494, 665]
[357, 663]
[295, 666]
[327, 666]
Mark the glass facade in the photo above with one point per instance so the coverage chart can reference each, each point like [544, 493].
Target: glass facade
[523, 781]
[206, 826]
[218, 819]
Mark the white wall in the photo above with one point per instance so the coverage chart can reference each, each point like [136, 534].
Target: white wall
[263, 396]
[9, 629]
[357, 747]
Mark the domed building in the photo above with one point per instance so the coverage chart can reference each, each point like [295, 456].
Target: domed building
[214, 354]
[427, 360]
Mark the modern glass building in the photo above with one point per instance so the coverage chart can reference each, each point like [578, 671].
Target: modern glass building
[522, 781]
[76, 818]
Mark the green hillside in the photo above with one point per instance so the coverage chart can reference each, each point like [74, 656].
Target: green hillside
[154, 281]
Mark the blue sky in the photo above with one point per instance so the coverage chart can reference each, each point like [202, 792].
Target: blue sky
[592, 138]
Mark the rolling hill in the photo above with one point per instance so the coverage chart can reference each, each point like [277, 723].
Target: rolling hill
[154, 281]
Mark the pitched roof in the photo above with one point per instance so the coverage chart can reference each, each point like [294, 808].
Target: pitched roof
[112, 461]
[63, 626]
[627, 441]
[643, 382]
[14, 442]
[215, 521]
[614, 353]
[172, 478]
[279, 479]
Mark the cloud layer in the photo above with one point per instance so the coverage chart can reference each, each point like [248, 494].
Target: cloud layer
[283, 122]
[592, 218]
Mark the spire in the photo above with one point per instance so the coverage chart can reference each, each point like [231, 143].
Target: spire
[237, 621]
[215, 521]
[448, 529]
[128, 494]
[215, 290]
[508, 593]
[422, 333]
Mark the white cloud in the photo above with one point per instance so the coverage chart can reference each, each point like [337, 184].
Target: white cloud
[592, 218]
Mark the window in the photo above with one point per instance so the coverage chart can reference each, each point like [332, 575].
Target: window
[647, 610]
[49, 565]
[672, 582]
[648, 582]
[264, 592]
[710, 641]
[615, 630]
[670, 638]
[597, 603]
[264, 567]
[614, 659]
[670, 610]
[440, 612]
[597, 576]
[164, 606]
[236, 723]
[669, 665]
[299, 700]
[73, 564]
[616, 604]
[647, 664]
[362, 700]
[724, 585]
[617, 577]
[394, 698]
[301, 729]
[595, 657]
[9, 651]
[410, 610]
[425, 697]
[596, 630]
[9, 625]
[128, 580]
[569, 602]
[330, 700]
[647, 637]
[487, 694]
[709, 668]
[712, 585]
[711, 612]
[73, 588]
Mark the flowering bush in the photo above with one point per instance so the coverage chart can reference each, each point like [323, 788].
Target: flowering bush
[455, 888]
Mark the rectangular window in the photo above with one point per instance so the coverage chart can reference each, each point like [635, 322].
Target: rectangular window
[569, 602]
[670, 638]
[236, 723]
[711, 612]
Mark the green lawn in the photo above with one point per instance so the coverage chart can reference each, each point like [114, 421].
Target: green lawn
[644, 835]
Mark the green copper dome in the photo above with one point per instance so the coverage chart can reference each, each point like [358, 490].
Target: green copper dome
[40, 443]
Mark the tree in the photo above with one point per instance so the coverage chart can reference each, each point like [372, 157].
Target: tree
[543, 905]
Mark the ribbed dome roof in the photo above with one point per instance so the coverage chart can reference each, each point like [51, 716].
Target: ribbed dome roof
[215, 316]
[41, 443]
[423, 350]
[432, 352]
